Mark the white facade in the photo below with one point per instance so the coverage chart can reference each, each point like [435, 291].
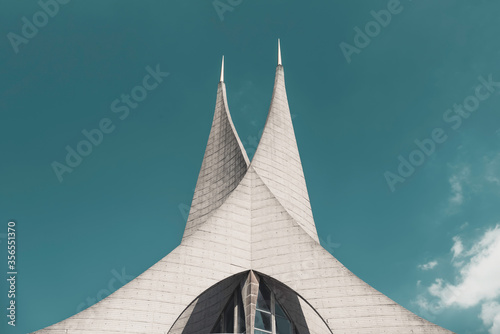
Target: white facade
[250, 228]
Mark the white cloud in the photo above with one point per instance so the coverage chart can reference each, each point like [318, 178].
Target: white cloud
[477, 281]
[458, 247]
[428, 308]
[427, 266]
[492, 169]
[456, 182]
[478, 278]
[457, 190]
[490, 315]
[493, 179]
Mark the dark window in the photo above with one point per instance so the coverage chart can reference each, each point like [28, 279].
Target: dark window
[270, 318]
[228, 322]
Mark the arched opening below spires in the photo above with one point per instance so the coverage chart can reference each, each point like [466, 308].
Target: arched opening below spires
[270, 317]
[249, 303]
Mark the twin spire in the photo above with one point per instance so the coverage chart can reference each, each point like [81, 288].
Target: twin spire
[276, 161]
[222, 66]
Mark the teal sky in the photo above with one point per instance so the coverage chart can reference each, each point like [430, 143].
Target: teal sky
[431, 243]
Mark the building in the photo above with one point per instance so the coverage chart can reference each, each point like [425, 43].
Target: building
[250, 260]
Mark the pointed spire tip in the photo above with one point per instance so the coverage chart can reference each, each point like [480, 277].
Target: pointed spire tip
[222, 70]
[279, 52]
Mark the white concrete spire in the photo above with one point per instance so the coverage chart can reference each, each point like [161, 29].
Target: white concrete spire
[224, 164]
[222, 70]
[282, 171]
[279, 52]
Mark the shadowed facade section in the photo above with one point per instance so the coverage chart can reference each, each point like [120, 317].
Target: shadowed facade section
[206, 309]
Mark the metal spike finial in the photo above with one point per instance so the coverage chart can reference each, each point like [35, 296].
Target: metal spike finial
[222, 70]
[279, 52]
